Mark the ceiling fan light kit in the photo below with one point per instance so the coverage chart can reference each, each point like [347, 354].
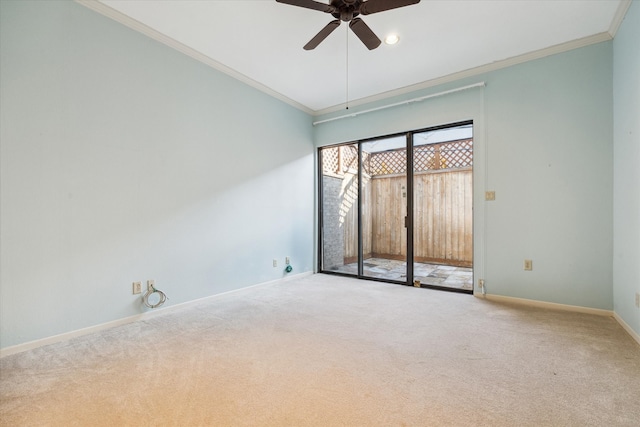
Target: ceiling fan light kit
[348, 11]
[391, 39]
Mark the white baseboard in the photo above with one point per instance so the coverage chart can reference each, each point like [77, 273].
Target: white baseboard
[160, 311]
[137, 317]
[626, 327]
[563, 307]
[544, 304]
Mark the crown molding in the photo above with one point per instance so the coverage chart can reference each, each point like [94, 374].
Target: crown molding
[138, 26]
[621, 11]
[123, 19]
[482, 69]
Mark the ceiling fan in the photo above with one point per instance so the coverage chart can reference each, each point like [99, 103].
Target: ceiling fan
[347, 11]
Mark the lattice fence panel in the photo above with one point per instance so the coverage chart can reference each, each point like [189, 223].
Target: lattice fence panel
[447, 155]
[330, 160]
[338, 160]
[457, 154]
[424, 158]
[349, 158]
[389, 162]
[366, 163]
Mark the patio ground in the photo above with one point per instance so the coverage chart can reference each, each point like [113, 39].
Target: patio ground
[428, 274]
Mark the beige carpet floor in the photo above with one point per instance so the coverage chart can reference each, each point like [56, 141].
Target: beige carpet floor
[330, 351]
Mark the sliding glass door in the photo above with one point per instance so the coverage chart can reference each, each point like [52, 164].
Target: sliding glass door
[384, 208]
[399, 208]
[339, 191]
[443, 207]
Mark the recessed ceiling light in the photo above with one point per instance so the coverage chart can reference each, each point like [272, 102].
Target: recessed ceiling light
[392, 39]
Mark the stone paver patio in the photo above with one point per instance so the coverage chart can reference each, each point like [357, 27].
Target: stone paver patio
[428, 274]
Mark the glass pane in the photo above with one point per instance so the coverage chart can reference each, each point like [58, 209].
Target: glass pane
[340, 209]
[384, 208]
[443, 210]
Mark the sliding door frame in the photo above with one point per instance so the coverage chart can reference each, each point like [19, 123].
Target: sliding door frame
[409, 219]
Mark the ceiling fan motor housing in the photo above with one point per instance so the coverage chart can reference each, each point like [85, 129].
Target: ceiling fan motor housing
[346, 10]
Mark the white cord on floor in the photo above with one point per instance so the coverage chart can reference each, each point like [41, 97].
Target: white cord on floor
[150, 292]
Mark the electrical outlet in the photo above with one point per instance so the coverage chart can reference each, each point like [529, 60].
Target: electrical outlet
[287, 261]
[489, 195]
[638, 299]
[137, 288]
[528, 264]
[150, 284]
[275, 262]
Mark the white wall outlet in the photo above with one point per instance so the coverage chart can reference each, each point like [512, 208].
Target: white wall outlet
[287, 261]
[528, 265]
[137, 288]
[489, 195]
[638, 299]
[275, 262]
[150, 284]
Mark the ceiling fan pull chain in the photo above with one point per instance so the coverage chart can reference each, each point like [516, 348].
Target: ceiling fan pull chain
[347, 69]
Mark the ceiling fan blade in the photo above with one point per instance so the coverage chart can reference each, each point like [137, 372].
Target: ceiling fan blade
[310, 4]
[364, 33]
[323, 34]
[375, 6]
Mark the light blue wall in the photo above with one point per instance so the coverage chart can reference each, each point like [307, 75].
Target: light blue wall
[123, 160]
[626, 175]
[543, 142]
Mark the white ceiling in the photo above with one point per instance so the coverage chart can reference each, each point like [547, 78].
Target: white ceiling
[260, 41]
